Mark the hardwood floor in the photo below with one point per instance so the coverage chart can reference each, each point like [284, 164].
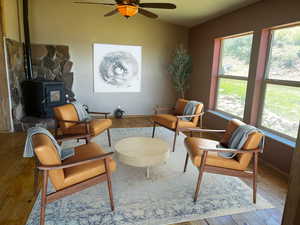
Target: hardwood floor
[16, 185]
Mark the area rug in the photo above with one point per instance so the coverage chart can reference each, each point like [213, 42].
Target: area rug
[165, 198]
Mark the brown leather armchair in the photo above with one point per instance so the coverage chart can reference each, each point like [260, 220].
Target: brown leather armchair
[204, 155]
[174, 120]
[89, 166]
[68, 124]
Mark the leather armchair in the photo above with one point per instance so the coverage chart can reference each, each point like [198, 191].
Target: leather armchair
[89, 166]
[204, 155]
[68, 124]
[173, 119]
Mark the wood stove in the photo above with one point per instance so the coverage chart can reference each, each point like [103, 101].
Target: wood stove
[41, 96]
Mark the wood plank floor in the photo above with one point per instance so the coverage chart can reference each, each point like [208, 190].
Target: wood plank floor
[16, 185]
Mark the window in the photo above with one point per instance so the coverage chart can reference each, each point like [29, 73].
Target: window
[233, 73]
[281, 107]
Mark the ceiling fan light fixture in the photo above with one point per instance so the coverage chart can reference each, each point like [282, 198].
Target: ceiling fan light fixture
[127, 10]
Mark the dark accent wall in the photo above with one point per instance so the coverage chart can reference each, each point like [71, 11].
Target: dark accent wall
[264, 14]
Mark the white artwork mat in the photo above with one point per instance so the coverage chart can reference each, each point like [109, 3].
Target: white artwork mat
[117, 68]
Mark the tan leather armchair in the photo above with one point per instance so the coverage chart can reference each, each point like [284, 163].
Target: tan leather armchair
[68, 124]
[174, 119]
[89, 166]
[204, 155]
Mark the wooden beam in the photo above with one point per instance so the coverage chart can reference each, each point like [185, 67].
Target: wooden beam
[5, 121]
[291, 213]
[256, 100]
[214, 74]
[27, 49]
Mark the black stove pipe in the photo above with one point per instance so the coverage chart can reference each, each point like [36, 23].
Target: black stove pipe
[27, 47]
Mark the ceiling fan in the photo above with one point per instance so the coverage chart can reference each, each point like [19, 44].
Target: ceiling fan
[130, 8]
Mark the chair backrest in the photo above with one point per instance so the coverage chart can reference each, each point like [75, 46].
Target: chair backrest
[48, 156]
[180, 105]
[65, 112]
[252, 142]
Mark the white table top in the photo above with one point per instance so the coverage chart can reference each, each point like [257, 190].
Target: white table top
[142, 151]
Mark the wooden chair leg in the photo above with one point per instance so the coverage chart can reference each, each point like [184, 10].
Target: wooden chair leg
[186, 162]
[255, 176]
[36, 180]
[108, 136]
[153, 132]
[108, 173]
[201, 171]
[44, 196]
[174, 143]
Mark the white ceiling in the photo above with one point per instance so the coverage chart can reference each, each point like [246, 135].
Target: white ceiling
[192, 12]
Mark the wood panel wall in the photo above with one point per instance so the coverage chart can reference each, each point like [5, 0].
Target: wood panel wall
[5, 121]
[292, 207]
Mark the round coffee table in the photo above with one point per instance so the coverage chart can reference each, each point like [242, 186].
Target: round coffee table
[142, 152]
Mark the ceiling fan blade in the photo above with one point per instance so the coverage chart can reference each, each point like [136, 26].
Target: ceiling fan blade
[158, 5]
[94, 3]
[112, 12]
[137, 2]
[147, 13]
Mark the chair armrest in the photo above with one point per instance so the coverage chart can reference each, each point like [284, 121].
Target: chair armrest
[190, 116]
[102, 113]
[74, 121]
[199, 130]
[85, 122]
[230, 150]
[71, 137]
[68, 165]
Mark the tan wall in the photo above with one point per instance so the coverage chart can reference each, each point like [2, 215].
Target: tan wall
[79, 26]
[264, 14]
[10, 19]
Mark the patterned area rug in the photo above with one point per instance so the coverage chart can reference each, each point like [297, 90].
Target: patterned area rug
[165, 198]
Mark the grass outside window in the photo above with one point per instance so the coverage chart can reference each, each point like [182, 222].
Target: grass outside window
[281, 111]
[231, 96]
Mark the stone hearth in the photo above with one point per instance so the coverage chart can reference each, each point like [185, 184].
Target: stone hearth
[50, 62]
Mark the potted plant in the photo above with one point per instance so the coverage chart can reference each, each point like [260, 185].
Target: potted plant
[180, 70]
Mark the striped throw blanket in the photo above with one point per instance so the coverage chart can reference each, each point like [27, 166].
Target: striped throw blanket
[29, 149]
[239, 138]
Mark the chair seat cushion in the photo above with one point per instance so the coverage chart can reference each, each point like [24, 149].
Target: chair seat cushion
[97, 126]
[83, 172]
[194, 146]
[169, 121]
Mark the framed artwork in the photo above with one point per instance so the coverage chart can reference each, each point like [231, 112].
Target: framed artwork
[117, 68]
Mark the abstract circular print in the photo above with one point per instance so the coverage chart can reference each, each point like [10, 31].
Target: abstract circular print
[119, 69]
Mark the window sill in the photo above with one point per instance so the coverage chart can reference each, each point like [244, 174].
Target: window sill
[222, 115]
[283, 140]
[268, 134]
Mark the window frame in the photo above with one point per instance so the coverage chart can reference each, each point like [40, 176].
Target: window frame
[219, 41]
[266, 80]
